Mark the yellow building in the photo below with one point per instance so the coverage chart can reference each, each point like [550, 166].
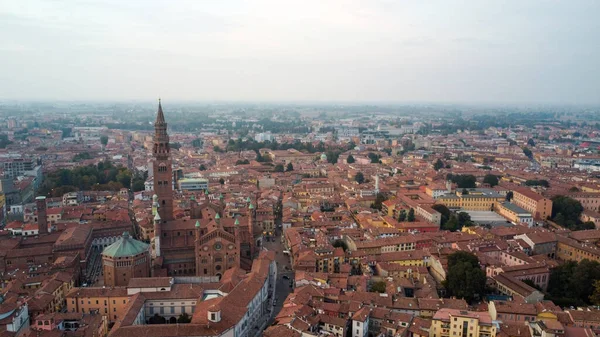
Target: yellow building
[475, 200]
[110, 302]
[461, 323]
[540, 207]
[570, 250]
[417, 258]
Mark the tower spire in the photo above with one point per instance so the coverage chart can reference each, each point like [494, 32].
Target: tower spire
[160, 117]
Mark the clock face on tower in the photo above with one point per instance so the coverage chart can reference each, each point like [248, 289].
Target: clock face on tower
[218, 246]
[230, 247]
[205, 248]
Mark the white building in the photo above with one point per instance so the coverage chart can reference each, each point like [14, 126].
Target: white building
[263, 137]
[360, 322]
[193, 184]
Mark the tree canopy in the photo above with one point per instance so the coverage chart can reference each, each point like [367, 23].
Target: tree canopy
[491, 179]
[340, 243]
[350, 159]
[465, 278]
[375, 158]
[378, 287]
[462, 180]
[402, 216]
[536, 182]
[104, 176]
[566, 212]
[197, 142]
[573, 283]
[411, 215]
[438, 165]
[378, 203]
[359, 178]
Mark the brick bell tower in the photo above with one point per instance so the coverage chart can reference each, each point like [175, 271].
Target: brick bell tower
[162, 167]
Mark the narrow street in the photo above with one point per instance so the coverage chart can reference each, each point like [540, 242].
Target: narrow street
[285, 274]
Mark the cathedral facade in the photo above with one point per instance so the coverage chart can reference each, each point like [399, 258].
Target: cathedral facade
[205, 243]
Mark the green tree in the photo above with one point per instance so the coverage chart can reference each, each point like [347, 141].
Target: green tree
[438, 165]
[82, 156]
[402, 216]
[573, 283]
[138, 185]
[566, 212]
[462, 181]
[4, 142]
[378, 203]
[349, 160]
[528, 152]
[124, 177]
[202, 167]
[184, 318]
[359, 178]
[411, 215]
[452, 224]
[530, 142]
[104, 140]
[375, 158]
[444, 211]
[279, 168]
[378, 287]
[509, 195]
[340, 243]
[464, 219]
[197, 142]
[221, 181]
[66, 132]
[157, 319]
[242, 162]
[491, 179]
[595, 296]
[289, 167]
[465, 278]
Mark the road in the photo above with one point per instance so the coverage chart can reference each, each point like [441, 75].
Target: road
[285, 274]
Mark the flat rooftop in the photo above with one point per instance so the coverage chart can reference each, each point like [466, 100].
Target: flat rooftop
[488, 218]
[515, 208]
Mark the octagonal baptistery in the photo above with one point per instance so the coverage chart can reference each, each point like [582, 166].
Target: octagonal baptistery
[125, 259]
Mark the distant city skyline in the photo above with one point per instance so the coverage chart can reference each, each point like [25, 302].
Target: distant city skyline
[509, 52]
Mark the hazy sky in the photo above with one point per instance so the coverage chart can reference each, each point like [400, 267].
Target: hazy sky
[309, 50]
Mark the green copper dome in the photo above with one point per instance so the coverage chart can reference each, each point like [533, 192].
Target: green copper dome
[192, 197]
[125, 246]
[248, 199]
[237, 221]
[217, 216]
[206, 191]
[251, 206]
[197, 223]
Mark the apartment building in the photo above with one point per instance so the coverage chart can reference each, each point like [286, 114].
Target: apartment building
[514, 213]
[539, 206]
[461, 323]
[476, 199]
